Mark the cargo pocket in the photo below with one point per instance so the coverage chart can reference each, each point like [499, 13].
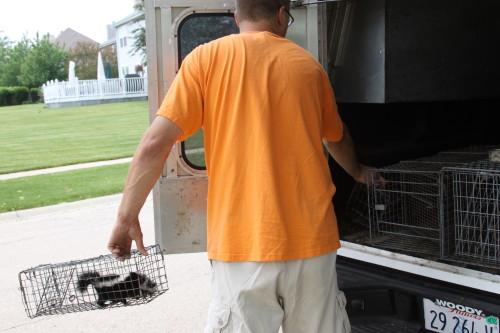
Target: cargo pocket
[342, 320]
[218, 318]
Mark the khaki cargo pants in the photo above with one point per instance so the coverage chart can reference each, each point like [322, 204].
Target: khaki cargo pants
[301, 296]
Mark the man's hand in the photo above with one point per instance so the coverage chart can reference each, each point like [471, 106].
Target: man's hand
[364, 177]
[362, 174]
[120, 242]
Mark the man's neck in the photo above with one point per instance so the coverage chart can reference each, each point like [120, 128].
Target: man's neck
[246, 26]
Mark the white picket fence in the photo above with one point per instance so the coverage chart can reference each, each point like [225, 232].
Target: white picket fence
[80, 90]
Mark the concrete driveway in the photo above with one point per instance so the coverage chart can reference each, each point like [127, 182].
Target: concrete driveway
[80, 230]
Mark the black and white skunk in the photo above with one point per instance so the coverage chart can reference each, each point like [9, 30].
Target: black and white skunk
[112, 289]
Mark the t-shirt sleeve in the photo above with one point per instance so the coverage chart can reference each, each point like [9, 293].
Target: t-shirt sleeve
[183, 103]
[332, 124]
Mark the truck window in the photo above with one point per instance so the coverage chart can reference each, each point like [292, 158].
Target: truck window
[194, 30]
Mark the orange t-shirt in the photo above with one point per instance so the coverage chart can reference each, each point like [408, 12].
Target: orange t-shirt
[264, 104]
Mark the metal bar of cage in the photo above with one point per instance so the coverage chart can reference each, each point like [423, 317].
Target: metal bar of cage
[476, 189]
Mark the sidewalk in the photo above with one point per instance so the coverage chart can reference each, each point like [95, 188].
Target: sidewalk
[79, 230]
[63, 168]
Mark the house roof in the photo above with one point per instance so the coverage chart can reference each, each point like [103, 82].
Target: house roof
[130, 18]
[107, 43]
[127, 19]
[69, 38]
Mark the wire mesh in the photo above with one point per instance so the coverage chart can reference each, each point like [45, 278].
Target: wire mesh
[476, 189]
[97, 283]
[357, 204]
[411, 208]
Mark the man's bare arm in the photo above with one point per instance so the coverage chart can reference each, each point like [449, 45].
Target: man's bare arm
[344, 153]
[145, 169]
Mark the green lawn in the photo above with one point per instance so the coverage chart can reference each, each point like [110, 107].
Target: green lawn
[34, 137]
[55, 188]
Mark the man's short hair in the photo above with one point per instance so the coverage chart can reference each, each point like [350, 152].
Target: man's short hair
[256, 10]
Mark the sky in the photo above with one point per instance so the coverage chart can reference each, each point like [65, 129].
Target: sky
[88, 17]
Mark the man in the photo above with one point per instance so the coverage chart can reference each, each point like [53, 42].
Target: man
[265, 105]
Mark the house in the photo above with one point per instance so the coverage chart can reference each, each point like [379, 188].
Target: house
[121, 36]
[69, 38]
[111, 42]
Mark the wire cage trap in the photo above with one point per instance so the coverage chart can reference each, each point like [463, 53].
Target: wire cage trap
[412, 210]
[358, 203]
[476, 190]
[97, 283]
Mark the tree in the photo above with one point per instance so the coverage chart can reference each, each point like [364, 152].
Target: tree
[31, 62]
[44, 62]
[109, 55]
[139, 45]
[13, 60]
[5, 50]
[84, 55]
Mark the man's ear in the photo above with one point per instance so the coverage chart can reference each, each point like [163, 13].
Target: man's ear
[281, 18]
[236, 18]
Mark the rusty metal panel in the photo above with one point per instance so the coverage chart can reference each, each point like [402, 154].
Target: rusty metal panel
[180, 214]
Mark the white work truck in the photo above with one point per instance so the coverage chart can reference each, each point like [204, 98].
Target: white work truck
[416, 82]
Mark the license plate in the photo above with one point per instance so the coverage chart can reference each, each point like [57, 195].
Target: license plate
[448, 317]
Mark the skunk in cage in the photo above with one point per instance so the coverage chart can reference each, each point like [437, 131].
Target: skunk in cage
[97, 283]
[110, 290]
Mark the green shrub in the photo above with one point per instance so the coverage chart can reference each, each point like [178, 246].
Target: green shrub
[18, 95]
[6, 96]
[21, 94]
[36, 94]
